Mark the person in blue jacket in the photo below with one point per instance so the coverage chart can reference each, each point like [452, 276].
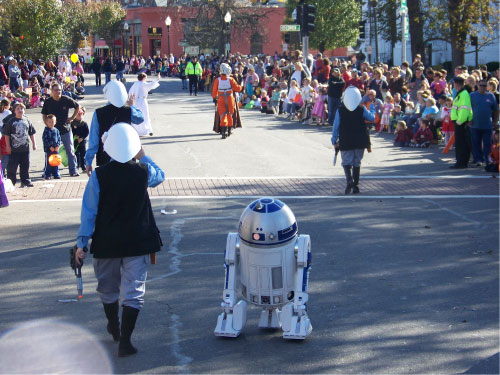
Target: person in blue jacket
[119, 109]
[350, 135]
[117, 215]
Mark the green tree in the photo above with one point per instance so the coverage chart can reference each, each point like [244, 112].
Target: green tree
[107, 17]
[389, 22]
[77, 22]
[337, 23]
[35, 26]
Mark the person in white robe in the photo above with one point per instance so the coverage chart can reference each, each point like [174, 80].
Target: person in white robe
[140, 90]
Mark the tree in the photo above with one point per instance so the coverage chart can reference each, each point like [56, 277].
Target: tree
[107, 17]
[454, 20]
[35, 26]
[78, 22]
[416, 28]
[387, 18]
[203, 29]
[337, 24]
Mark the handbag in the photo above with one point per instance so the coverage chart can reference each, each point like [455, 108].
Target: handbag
[64, 155]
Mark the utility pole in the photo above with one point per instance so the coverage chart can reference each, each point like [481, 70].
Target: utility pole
[404, 25]
[374, 4]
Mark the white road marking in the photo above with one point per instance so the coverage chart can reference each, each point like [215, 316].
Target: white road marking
[477, 224]
[212, 197]
[264, 178]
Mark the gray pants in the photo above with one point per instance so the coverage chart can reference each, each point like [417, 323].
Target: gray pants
[67, 140]
[352, 157]
[123, 278]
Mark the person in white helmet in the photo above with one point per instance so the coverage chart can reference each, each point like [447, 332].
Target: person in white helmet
[117, 215]
[351, 135]
[222, 93]
[118, 109]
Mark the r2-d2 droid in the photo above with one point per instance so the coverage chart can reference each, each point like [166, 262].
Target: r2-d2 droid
[268, 262]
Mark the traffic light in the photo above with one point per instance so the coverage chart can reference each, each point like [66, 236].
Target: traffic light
[298, 17]
[362, 34]
[287, 38]
[308, 16]
[473, 40]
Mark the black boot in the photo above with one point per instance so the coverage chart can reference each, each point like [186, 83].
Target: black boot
[223, 132]
[348, 177]
[111, 311]
[228, 131]
[129, 317]
[355, 177]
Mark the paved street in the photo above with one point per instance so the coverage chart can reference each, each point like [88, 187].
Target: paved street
[405, 276]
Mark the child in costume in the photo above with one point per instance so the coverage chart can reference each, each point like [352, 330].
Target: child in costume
[386, 113]
[319, 110]
[117, 215]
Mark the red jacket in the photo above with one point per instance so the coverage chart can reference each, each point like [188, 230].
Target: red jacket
[3, 75]
[423, 135]
[404, 136]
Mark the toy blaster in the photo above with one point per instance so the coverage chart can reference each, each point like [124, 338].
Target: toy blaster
[77, 269]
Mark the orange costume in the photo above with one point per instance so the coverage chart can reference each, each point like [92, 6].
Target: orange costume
[222, 91]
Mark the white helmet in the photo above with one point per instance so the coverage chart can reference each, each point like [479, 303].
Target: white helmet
[225, 69]
[115, 93]
[351, 98]
[121, 142]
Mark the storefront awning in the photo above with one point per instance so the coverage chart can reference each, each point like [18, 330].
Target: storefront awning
[100, 44]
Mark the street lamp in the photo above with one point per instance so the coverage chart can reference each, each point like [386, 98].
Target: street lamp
[374, 4]
[227, 20]
[125, 28]
[168, 22]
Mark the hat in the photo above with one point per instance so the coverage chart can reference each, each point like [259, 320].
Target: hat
[351, 98]
[115, 93]
[459, 79]
[121, 142]
[336, 70]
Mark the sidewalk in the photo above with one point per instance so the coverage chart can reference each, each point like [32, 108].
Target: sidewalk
[281, 187]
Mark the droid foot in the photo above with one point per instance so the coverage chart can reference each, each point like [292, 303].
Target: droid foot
[295, 326]
[231, 324]
[270, 319]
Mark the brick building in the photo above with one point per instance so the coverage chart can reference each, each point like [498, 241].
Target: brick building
[145, 32]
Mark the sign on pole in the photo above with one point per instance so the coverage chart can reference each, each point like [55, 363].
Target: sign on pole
[287, 28]
[407, 28]
[192, 50]
[369, 50]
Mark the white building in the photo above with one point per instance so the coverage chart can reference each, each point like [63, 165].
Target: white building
[441, 50]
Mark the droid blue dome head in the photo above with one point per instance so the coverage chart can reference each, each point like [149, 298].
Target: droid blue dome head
[267, 222]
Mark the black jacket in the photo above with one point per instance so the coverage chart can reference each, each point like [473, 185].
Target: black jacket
[335, 86]
[125, 225]
[353, 132]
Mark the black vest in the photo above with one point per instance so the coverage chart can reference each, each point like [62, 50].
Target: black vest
[353, 132]
[125, 225]
[107, 116]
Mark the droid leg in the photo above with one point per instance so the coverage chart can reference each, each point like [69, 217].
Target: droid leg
[270, 318]
[294, 320]
[234, 315]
